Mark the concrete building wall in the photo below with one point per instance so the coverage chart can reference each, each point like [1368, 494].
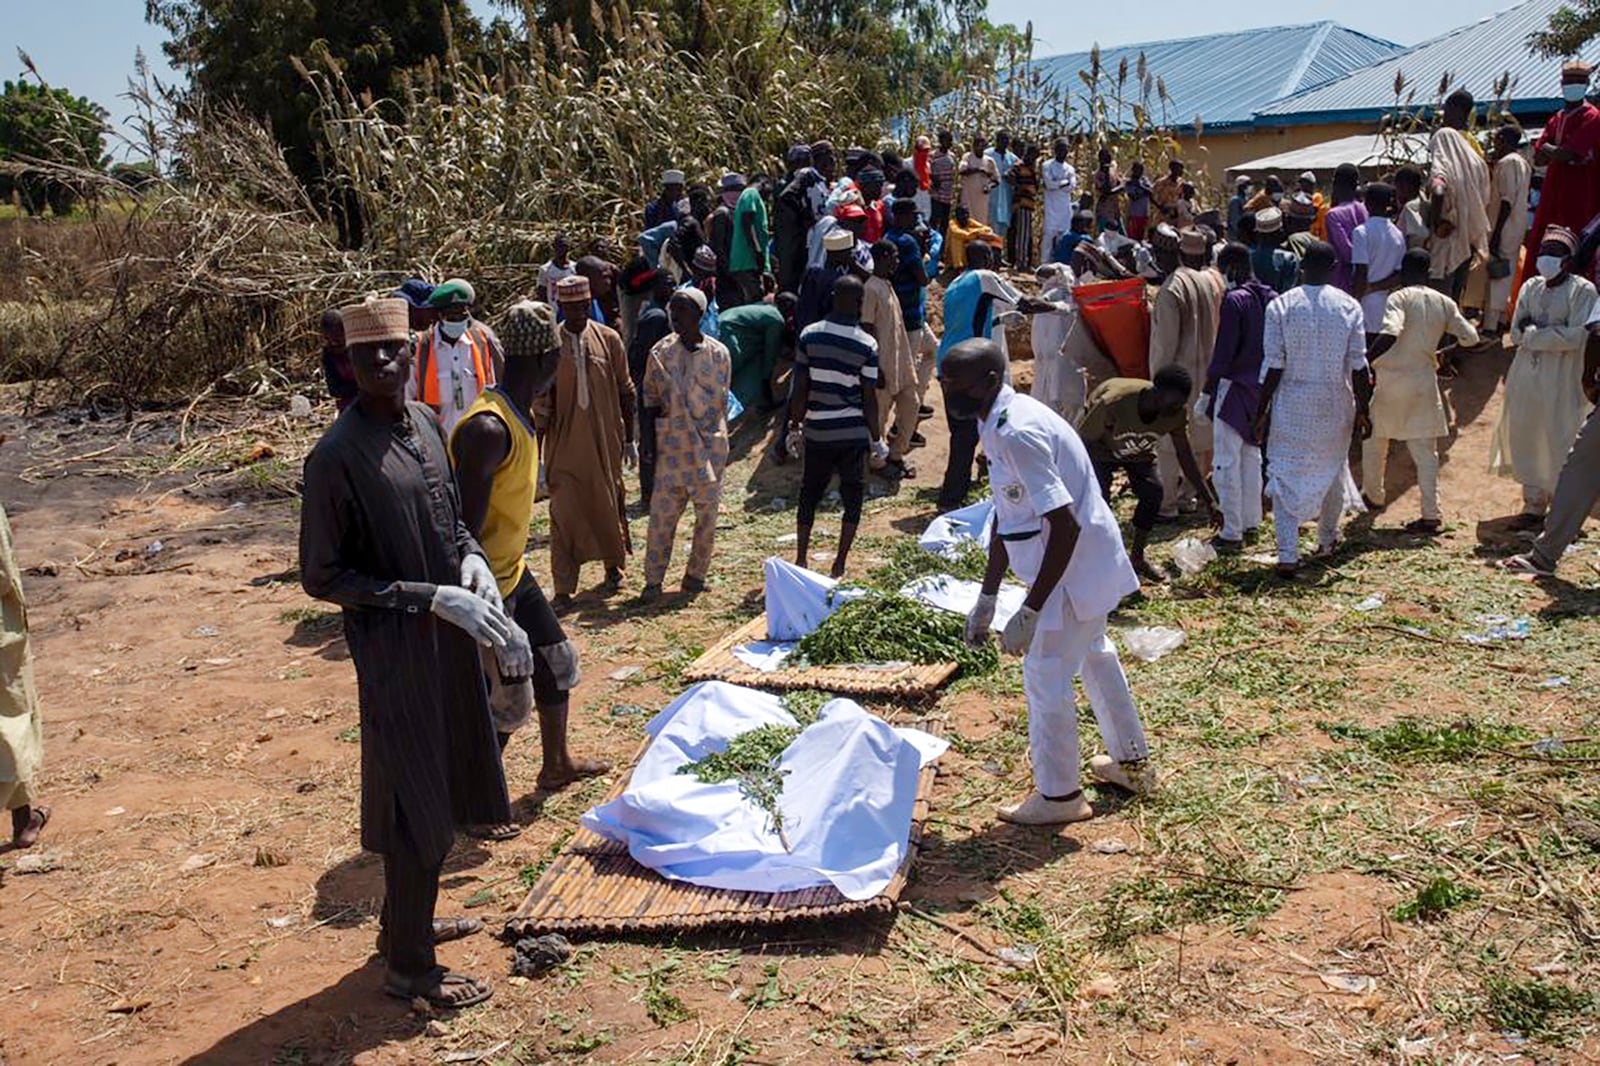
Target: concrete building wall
[1228, 148]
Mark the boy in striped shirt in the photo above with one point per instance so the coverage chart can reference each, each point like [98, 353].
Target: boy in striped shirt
[831, 405]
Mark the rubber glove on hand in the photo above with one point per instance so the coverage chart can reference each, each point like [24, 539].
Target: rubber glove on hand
[516, 658]
[483, 621]
[880, 450]
[478, 579]
[630, 455]
[979, 619]
[795, 442]
[1017, 637]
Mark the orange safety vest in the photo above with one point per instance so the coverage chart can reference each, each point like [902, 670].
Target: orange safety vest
[423, 357]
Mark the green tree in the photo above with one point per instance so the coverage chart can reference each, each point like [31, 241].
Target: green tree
[45, 133]
[1570, 29]
[244, 52]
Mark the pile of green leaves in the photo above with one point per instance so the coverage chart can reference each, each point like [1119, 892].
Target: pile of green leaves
[1417, 740]
[1434, 900]
[909, 560]
[886, 627]
[751, 759]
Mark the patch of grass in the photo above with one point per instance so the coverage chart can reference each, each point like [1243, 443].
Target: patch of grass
[1417, 740]
[583, 1043]
[1434, 900]
[309, 617]
[909, 561]
[771, 993]
[530, 873]
[351, 735]
[661, 1004]
[1539, 1010]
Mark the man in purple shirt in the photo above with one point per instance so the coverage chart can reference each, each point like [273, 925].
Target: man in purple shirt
[1233, 396]
[1346, 214]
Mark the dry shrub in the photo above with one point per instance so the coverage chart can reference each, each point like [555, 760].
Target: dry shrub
[215, 277]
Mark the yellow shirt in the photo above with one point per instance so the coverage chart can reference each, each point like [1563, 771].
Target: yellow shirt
[957, 236]
[505, 527]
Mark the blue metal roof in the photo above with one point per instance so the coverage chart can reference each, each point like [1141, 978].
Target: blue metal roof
[1225, 78]
[1474, 56]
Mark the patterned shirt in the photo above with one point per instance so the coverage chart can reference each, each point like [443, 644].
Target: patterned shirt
[841, 360]
[942, 169]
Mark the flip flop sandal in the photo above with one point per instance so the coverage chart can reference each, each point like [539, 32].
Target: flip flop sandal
[495, 832]
[444, 931]
[431, 987]
[37, 820]
[1523, 564]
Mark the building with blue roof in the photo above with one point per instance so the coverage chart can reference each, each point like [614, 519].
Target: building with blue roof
[1478, 58]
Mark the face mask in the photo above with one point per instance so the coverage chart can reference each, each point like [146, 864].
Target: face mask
[1574, 92]
[453, 331]
[1550, 266]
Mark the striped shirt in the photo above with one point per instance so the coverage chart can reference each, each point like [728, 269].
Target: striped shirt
[839, 357]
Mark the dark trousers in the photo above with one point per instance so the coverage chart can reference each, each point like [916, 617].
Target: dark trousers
[958, 471]
[647, 449]
[744, 287]
[410, 892]
[939, 216]
[822, 461]
[1144, 483]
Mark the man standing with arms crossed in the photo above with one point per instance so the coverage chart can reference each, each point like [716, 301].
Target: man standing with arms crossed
[1055, 532]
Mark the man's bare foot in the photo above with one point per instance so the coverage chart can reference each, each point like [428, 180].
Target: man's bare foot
[838, 569]
[440, 988]
[26, 825]
[1146, 572]
[554, 779]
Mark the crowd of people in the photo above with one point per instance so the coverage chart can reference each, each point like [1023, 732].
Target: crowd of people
[1283, 329]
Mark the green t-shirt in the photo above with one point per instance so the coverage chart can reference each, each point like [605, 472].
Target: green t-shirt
[754, 336]
[1112, 428]
[743, 256]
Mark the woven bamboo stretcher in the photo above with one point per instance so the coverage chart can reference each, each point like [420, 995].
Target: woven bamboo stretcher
[719, 663]
[594, 888]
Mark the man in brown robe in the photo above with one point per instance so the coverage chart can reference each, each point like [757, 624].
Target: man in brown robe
[587, 416]
[1183, 331]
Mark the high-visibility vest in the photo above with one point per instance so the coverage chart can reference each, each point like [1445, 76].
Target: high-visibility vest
[425, 360]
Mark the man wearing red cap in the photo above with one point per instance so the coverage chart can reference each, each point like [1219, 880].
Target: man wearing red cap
[1569, 150]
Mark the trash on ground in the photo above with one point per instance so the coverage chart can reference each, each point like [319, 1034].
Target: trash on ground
[1021, 957]
[38, 862]
[196, 862]
[1109, 847]
[1371, 603]
[1354, 984]
[299, 407]
[1554, 682]
[1151, 642]
[535, 955]
[1494, 628]
[627, 710]
[1549, 746]
[1192, 555]
[624, 672]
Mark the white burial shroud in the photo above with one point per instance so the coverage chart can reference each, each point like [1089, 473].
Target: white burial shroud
[849, 784]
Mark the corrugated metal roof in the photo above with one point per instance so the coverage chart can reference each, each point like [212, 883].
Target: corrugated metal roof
[1474, 56]
[1362, 149]
[1226, 77]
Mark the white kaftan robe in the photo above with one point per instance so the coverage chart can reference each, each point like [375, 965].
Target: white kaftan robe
[1316, 335]
[1057, 379]
[1544, 403]
[1406, 404]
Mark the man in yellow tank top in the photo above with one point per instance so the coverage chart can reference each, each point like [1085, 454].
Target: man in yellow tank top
[496, 459]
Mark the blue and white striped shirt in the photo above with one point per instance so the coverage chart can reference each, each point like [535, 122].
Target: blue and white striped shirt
[841, 360]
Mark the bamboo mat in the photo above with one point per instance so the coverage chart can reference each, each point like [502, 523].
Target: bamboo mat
[594, 887]
[719, 663]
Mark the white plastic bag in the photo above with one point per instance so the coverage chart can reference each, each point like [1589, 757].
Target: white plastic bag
[1151, 642]
[1192, 555]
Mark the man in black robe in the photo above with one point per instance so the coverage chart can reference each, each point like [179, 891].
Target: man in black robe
[381, 536]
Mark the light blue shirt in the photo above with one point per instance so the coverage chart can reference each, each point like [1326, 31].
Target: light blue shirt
[1000, 198]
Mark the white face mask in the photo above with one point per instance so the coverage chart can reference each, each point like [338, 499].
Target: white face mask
[1572, 92]
[453, 331]
[1550, 266]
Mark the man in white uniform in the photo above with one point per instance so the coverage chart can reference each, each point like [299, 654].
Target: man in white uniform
[1060, 187]
[457, 358]
[1057, 378]
[1313, 353]
[1055, 531]
[1406, 405]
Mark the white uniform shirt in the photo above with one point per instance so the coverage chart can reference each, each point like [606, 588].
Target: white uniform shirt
[1037, 464]
[1060, 188]
[458, 380]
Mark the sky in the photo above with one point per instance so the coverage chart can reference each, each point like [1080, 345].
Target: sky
[89, 46]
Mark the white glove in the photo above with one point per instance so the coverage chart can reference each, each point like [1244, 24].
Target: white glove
[1017, 637]
[795, 442]
[478, 579]
[516, 658]
[483, 621]
[630, 455]
[880, 450]
[979, 619]
[1010, 318]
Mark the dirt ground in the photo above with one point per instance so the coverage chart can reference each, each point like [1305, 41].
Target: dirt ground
[209, 902]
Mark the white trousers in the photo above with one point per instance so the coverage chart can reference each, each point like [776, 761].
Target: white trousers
[1375, 462]
[1288, 525]
[1236, 475]
[1081, 649]
[1499, 298]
